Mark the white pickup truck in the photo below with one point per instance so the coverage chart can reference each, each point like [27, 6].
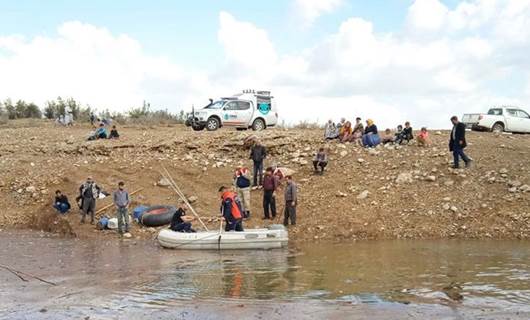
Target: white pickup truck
[249, 109]
[501, 119]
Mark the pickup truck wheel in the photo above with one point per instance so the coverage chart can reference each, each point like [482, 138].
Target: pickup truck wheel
[212, 124]
[258, 125]
[498, 128]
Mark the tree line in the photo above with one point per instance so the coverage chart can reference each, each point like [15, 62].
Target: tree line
[53, 109]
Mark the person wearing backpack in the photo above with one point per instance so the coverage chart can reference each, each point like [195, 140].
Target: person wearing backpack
[242, 184]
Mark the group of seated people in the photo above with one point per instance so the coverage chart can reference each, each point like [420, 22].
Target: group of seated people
[369, 137]
[101, 133]
[344, 131]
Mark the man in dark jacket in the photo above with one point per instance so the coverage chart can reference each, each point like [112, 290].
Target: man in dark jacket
[457, 143]
[89, 192]
[270, 184]
[291, 200]
[61, 202]
[258, 153]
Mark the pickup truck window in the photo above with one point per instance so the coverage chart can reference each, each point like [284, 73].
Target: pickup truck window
[495, 112]
[522, 114]
[512, 112]
[233, 105]
[243, 105]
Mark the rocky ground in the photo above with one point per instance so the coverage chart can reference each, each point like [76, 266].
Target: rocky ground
[383, 193]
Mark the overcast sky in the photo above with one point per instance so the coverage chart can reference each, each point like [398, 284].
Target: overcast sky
[390, 60]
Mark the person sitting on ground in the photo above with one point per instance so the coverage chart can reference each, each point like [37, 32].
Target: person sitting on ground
[399, 130]
[371, 137]
[387, 137]
[100, 133]
[114, 133]
[406, 134]
[61, 203]
[423, 138]
[330, 131]
[341, 123]
[346, 132]
[231, 210]
[320, 160]
[358, 130]
[180, 221]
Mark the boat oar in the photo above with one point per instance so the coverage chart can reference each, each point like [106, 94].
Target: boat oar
[182, 196]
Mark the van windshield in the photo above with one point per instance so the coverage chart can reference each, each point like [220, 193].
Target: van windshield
[216, 105]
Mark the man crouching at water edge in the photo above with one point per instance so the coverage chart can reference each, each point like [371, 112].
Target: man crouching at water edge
[180, 221]
[231, 210]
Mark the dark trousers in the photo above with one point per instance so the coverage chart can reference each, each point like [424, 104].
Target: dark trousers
[289, 213]
[258, 173]
[183, 227]
[458, 153]
[234, 225]
[269, 203]
[89, 206]
[62, 207]
[321, 164]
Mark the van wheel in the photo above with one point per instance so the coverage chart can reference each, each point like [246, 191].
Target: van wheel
[258, 125]
[212, 124]
[498, 128]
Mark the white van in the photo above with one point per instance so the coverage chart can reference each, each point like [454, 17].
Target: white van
[249, 109]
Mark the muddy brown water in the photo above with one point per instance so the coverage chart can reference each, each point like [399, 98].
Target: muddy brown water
[365, 280]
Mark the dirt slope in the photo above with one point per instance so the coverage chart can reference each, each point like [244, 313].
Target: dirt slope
[412, 193]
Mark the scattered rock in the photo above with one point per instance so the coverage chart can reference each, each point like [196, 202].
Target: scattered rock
[431, 178]
[363, 195]
[404, 178]
[163, 182]
[31, 189]
[343, 153]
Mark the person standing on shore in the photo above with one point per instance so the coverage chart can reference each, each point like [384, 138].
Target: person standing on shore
[291, 200]
[457, 143]
[270, 184]
[89, 192]
[258, 153]
[122, 201]
[242, 184]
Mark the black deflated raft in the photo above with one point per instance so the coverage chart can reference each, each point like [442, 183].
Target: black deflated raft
[157, 216]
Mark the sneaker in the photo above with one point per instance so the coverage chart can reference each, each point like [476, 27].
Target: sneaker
[469, 163]
[265, 218]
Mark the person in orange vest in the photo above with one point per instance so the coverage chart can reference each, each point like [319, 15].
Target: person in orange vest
[231, 210]
[242, 184]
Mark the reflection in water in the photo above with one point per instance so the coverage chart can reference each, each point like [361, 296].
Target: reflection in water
[141, 274]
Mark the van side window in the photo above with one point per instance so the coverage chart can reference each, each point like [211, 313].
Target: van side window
[495, 112]
[522, 114]
[243, 105]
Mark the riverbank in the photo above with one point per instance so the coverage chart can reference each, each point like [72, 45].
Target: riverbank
[387, 193]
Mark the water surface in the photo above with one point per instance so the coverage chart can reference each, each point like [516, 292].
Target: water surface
[378, 279]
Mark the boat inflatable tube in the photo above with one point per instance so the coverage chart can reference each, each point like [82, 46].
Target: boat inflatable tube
[157, 216]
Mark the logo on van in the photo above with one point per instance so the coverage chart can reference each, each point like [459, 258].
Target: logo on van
[264, 108]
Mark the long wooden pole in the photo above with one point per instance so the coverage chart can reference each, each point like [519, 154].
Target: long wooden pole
[182, 196]
[110, 205]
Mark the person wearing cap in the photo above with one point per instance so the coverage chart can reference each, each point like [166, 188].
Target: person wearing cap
[291, 200]
[89, 192]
